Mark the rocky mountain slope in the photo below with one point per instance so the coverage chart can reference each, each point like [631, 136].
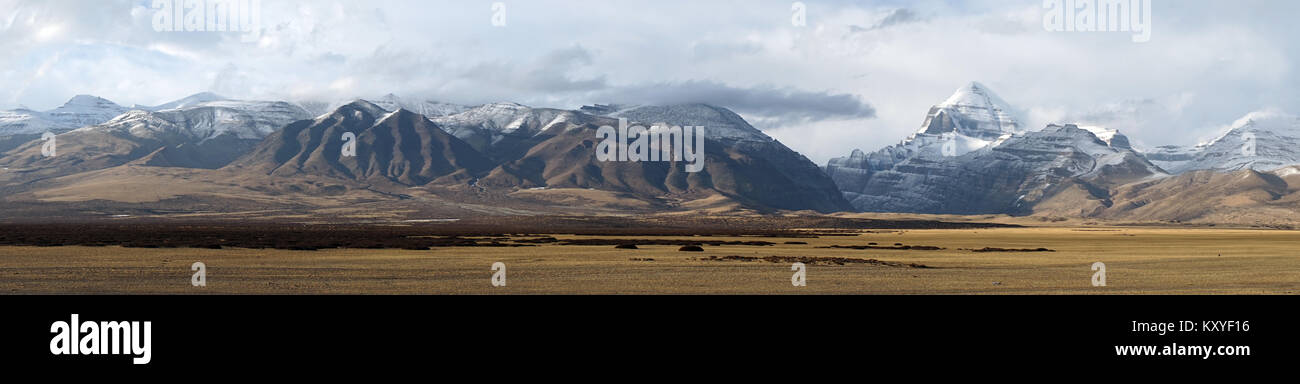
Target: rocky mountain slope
[391, 147]
[741, 164]
[515, 154]
[1267, 198]
[544, 153]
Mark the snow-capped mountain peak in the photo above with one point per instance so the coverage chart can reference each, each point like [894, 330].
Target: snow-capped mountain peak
[189, 101]
[973, 111]
[88, 101]
[79, 111]
[488, 124]
[85, 110]
[25, 122]
[972, 156]
[972, 118]
[1262, 140]
[1112, 137]
[974, 93]
[359, 109]
[719, 123]
[389, 102]
[1106, 146]
[428, 108]
[245, 120]
[1267, 119]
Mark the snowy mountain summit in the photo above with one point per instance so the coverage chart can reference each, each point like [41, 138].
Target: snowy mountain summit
[427, 108]
[972, 155]
[80, 111]
[205, 120]
[189, 133]
[973, 111]
[1262, 140]
[188, 101]
[972, 118]
[719, 123]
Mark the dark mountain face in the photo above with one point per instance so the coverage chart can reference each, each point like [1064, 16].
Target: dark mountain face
[752, 164]
[10, 142]
[401, 147]
[744, 173]
[740, 164]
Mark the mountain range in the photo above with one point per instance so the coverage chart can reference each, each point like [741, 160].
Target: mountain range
[971, 156]
[22, 125]
[196, 132]
[207, 154]
[499, 157]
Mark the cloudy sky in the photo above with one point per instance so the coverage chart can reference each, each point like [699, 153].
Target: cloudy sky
[859, 74]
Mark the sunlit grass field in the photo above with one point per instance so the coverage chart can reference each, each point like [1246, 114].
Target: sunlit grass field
[1137, 260]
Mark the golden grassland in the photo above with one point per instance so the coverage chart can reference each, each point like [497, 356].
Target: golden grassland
[1138, 260]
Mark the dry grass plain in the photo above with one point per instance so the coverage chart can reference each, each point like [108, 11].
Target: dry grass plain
[1139, 260]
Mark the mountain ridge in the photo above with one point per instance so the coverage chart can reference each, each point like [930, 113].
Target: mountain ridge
[971, 155]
